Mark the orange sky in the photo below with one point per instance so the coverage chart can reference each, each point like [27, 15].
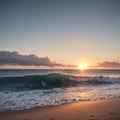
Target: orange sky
[68, 33]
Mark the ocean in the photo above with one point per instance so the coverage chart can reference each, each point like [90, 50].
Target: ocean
[25, 89]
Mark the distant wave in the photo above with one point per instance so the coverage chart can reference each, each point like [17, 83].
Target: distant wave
[53, 80]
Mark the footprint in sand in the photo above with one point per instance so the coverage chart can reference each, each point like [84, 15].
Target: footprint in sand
[93, 118]
[51, 118]
[91, 115]
[111, 113]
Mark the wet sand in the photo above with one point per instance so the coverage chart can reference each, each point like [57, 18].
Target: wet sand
[97, 110]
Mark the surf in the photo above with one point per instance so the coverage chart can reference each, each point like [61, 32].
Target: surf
[53, 80]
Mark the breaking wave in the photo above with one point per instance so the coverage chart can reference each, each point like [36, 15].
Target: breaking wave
[54, 89]
[53, 80]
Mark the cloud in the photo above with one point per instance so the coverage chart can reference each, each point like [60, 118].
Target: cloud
[15, 58]
[108, 64]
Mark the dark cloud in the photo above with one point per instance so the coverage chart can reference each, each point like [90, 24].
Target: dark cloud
[14, 58]
[108, 64]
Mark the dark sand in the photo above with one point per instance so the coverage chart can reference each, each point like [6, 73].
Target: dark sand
[97, 110]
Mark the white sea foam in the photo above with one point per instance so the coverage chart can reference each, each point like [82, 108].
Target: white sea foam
[89, 89]
[28, 99]
[98, 78]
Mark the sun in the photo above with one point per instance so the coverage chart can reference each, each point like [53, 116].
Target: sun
[82, 66]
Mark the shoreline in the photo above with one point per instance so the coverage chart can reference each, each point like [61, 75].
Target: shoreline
[93, 110]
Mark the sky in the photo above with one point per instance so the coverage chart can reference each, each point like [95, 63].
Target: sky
[68, 32]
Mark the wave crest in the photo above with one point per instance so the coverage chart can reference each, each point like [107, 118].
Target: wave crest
[53, 80]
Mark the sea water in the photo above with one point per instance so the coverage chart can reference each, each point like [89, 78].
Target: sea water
[55, 87]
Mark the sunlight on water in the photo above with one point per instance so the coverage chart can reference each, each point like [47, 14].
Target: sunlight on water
[79, 87]
[14, 100]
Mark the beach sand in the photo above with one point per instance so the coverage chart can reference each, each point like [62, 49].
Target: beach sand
[96, 110]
